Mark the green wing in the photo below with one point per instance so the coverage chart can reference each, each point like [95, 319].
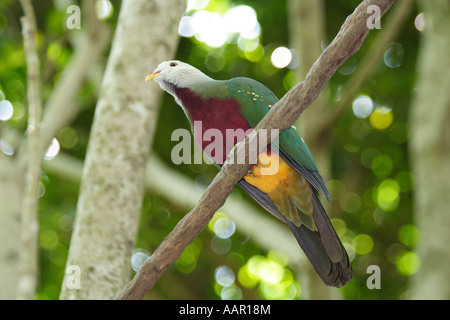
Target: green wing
[256, 100]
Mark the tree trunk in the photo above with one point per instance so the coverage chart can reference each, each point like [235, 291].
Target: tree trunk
[430, 154]
[59, 111]
[11, 195]
[112, 184]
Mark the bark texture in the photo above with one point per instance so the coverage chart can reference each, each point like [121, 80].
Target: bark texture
[112, 186]
[430, 154]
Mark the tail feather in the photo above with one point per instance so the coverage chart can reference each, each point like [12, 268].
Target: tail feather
[335, 274]
[306, 219]
[330, 239]
[323, 248]
[320, 244]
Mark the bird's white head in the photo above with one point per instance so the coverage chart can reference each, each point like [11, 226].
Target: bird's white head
[174, 73]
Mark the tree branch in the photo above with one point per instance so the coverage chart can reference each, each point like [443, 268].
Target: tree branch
[370, 61]
[61, 106]
[281, 116]
[29, 220]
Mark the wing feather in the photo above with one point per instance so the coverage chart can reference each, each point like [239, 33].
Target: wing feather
[256, 100]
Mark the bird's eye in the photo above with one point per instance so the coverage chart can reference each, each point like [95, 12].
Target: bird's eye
[173, 64]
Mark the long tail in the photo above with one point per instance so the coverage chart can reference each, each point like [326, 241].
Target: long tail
[323, 248]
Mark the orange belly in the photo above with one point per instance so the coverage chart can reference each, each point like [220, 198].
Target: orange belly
[284, 186]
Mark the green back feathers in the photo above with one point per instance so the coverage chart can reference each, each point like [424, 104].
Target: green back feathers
[256, 99]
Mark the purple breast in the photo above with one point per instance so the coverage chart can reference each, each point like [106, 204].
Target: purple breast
[218, 123]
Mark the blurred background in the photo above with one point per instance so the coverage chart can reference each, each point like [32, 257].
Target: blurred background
[359, 131]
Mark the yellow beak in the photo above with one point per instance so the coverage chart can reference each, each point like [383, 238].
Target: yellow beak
[152, 76]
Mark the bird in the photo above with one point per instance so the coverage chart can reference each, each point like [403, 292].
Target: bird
[291, 193]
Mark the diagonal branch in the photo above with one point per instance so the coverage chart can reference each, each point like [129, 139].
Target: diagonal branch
[281, 116]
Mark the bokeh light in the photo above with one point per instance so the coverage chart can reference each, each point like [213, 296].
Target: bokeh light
[209, 28]
[65, 223]
[362, 244]
[247, 278]
[225, 286]
[231, 293]
[220, 246]
[224, 228]
[278, 257]
[350, 202]
[212, 28]
[281, 57]
[247, 45]
[387, 195]
[52, 150]
[222, 225]
[255, 55]
[242, 19]
[394, 55]
[407, 263]
[54, 51]
[104, 9]
[224, 276]
[382, 165]
[272, 272]
[214, 62]
[138, 257]
[6, 147]
[196, 4]
[381, 118]
[186, 27]
[419, 22]
[362, 106]
[270, 275]
[40, 192]
[48, 239]
[348, 67]
[68, 137]
[6, 110]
